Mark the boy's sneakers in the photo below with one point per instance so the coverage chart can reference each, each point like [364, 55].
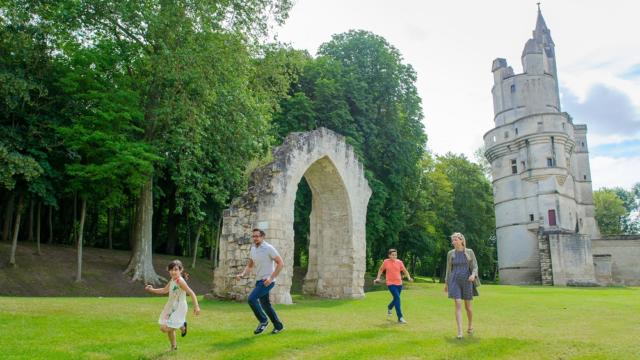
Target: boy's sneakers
[183, 330]
[402, 321]
[277, 331]
[260, 328]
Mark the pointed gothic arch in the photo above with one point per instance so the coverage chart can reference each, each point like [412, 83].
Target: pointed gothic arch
[337, 249]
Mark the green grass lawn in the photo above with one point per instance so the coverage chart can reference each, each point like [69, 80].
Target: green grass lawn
[511, 323]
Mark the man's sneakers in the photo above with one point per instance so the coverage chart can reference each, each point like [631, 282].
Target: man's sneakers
[389, 313]
[260, 328]
[402, 321]
[277, 331]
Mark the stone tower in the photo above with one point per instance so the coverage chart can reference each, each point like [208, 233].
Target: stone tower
[539, 160]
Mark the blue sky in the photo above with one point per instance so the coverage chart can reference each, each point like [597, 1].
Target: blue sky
[451, 44]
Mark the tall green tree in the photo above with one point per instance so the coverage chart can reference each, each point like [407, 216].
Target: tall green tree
[171, 49]
[424, 240]
[631, 200]
[610, 211]
[473, 213]
[27, 74]
[101, 130]
[360, 87]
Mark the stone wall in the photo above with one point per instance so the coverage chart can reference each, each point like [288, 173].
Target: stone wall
[571, 259]
[624, 251]
[546, 270]
[337, 253]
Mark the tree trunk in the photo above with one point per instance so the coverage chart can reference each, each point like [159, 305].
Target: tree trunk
[50, 241]
[83, 213]
[38, 223]
[140, 265]
[110, 229]
[30, 237]
[195, 245]
[16, 230]
[8, 217]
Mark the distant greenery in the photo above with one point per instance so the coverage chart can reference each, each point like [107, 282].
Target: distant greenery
[510, 323]
[132, 125]
[617, 210]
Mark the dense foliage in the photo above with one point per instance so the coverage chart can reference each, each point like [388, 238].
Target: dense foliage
[617, 210]
[134, 123]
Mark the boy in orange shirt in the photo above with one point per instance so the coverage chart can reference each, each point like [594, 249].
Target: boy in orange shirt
[393, 268]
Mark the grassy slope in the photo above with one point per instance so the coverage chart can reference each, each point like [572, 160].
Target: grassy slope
[511, 323]
[53, 273]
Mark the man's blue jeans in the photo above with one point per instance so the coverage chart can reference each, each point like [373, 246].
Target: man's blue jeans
[260, 303]
[395, 291]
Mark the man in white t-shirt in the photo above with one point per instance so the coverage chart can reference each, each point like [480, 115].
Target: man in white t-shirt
[263, 256]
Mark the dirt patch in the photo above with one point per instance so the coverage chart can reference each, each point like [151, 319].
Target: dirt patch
[53, 272]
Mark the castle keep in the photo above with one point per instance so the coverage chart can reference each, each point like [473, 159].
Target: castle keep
[545, 218]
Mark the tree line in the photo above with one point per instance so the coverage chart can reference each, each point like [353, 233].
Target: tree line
[132, 125]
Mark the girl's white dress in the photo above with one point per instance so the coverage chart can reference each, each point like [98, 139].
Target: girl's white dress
[174, 313]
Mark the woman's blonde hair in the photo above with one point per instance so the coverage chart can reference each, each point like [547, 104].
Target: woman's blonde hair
[459, 236]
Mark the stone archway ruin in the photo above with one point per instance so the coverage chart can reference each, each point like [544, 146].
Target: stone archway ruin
[337, 248]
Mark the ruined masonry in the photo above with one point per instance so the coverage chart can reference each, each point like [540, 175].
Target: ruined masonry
[337, 221]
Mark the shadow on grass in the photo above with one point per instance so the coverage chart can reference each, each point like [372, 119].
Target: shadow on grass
[237, 343]
[294, 339]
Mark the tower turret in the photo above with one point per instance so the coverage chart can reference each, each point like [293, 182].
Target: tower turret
[540, 181]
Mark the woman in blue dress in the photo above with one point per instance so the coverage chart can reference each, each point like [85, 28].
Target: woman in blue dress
[461, 279]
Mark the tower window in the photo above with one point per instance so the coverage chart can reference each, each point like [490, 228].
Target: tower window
[522, 164]
[583, 144]
[493, 138]
[513, 89]
[530, 217]
[584, 177]
[549, 162]
[506, 134]
[563, 125]
[514, 166]
[516, 131]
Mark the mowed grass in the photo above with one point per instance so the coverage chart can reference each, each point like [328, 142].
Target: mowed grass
[510, 322]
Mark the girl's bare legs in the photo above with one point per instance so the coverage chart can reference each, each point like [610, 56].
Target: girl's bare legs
[171, 333]
[467, 306]
[172, 338]
[458, 303]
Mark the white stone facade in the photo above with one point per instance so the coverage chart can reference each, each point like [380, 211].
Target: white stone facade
[337, 248]
[539, 160]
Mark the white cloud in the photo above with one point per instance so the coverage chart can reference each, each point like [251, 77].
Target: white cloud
[623, 172]
[451, 45]
[598, 139]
